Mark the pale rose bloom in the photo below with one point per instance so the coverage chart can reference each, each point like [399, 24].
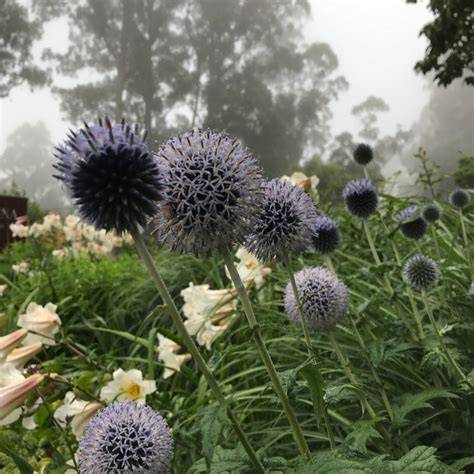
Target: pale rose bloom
[52, 221]
[13, 395]
[79, 412]
[168, 356]
[22, 267]
[43, 321]
[9, 375]
[59, 253]
[38, 230]
[71, 220]
[308, 183]
[19, 230]
[251, 271]
[21, 355]
[2, 289]
[128, 386]
[10, 341]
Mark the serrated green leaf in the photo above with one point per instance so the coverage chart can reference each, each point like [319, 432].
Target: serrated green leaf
[376, 351]
[314, 379]
[210, 425]
[363, 431]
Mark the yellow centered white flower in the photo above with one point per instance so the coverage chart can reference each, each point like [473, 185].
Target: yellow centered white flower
[42, 322]
[77, 412]
[128, 385]
[167, 355]
[251, 271]
[10, 341]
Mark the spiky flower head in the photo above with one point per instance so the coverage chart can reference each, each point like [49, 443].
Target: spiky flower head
[431, 213]
[363, 154]
[126, 437]
[412, 225]
[324, 298]
[459, 198]
[326, 235]
[110, 174]
[421, 272]
[211, 192]
[285, 223]
[360, 197]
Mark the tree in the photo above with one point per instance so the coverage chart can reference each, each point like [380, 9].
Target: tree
[367, 112]
[26, 164]
[450, 53]
[17, 35]
[236, 65]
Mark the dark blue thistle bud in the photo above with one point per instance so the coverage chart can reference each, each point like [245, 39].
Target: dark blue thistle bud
[412, 225]
[431, 213]
[211, 192]
[360, 197]
[363, 154]
[285, 222]
[324, 299]
[326, 235]
[459, 198]
[126, 437]
[421, 272]
[111, 175]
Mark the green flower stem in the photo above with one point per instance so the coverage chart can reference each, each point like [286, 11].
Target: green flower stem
[376, 255]
[264, 354]
[192, 348]
[383, 393]
[289, 269]
[366, 173]
[466, 241]
[414, 307]
[453, 363]
[328, 262]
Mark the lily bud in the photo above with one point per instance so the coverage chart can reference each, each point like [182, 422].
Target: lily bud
[13, 395]
[10, 341]
[21, 355]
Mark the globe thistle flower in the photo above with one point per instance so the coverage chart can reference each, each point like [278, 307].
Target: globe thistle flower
[459, 198]
[326, 235]
[211, 192]
[412, 225]
[431, 213]
[285, 223]
[363, 154]
[111, 175]
[421, 272]
[360, 197]
[324, 298]
[126, 437]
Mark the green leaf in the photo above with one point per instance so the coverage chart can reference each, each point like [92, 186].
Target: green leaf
[409, 403]
[363, 432]
[210, 425]
[124, 334]
[329, 463]
[224, 461]
[376, 351]
[22, 465]
[314, 379]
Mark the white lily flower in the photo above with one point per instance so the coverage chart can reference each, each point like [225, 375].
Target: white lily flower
[80, 412]
[13, 395]
[10, 341]
[308, 183]
[9, 375]
[21, 355]
[168, 356]
[252, 272]
[19, 230]
[43, 321]
[209, 333]
[128, 386]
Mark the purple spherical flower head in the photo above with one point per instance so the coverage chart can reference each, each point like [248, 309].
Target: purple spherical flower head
[111, 175]
[326, 235]
[360, 197]
[459, 198]
[285, 223]
[324, 298]
[211, 192]
[412, 224]
[126, 437]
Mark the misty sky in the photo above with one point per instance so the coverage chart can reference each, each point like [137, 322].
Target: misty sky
[376, 42]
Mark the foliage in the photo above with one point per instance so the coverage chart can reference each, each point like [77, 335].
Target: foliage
[464, 175]
[450, 54]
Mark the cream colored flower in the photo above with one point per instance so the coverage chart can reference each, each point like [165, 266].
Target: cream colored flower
[308, 183]
[88, 232]
[78, 412]
[19, 230]
[22, 267]
[71, 220]
[9, 375]
[251, 271]
[128, 386]
[29, 423]
[167, 355]
[59, 253]
[38, 230]
[21, 355]
[42, 322]
[10, 341]
[209, 333]
[52, 221]
[2, 289]
[13, 395]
